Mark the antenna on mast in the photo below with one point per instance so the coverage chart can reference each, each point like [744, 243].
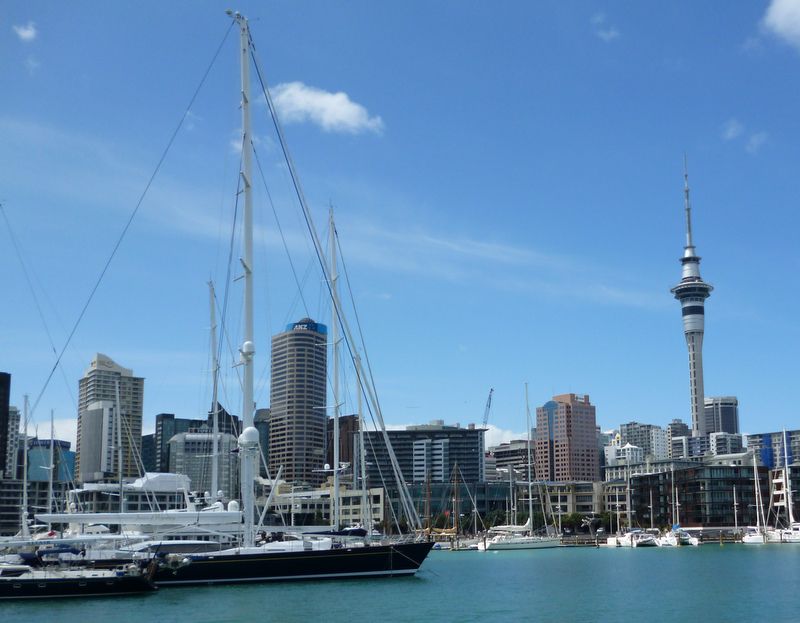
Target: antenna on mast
[687, 204]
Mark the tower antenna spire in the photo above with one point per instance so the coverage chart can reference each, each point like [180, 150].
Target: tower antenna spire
[687, 204]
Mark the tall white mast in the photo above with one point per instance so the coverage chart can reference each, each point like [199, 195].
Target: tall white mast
[214, 403]
[24, 509]
[787, 477]
[335, 357]
[530, 485]
[248, 440]
[366, 504]
[118, 417]
[52, 466]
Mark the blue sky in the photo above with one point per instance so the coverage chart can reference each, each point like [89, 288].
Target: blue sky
[507, 179]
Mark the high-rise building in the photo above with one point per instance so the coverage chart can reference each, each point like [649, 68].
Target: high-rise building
[566, 440]
[650, 438]
[692, 292]
[5, 397]
[298, 387]
[676, 428]
[348, 428]
[98, 423]
[190, 454]
[722, 414]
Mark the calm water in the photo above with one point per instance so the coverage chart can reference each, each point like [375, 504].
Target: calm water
[709, 583]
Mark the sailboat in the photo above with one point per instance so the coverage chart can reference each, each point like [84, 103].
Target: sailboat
[279, 556]
[756, 535]
[782, 499]
[520, 537]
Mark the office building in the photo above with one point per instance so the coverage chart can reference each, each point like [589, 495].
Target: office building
[191, 454]
[298, 388]
[692, 292]
[100, 425]
[722, 414]
[566, 440]
[167, 426]
[348, 429]
[512, 455]
[770, 451]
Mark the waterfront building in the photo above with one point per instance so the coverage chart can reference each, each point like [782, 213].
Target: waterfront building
[692, 292]
[191, 454]
[308, 507]
[98, 424]
[5, 425]
[39, 461]
[9, 468]
[722, 414]
[427, 451]
[650, 438]
[298, 387]
[566, 440]
[701, 495]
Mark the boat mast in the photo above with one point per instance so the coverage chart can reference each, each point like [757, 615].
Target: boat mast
[366, 513]
[52, 466]
[788, 478]
[530, 484]
[118, 414]
[335, 356]
[248, 440]
[24, 509]
[759, 504]
[214, 404]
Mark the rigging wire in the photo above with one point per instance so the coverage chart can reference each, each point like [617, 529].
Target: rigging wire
[18, 251]
[131, 217]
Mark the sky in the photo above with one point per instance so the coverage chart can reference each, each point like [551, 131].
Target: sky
[507, 181]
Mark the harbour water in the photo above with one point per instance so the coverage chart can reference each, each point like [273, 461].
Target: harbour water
[708, 583]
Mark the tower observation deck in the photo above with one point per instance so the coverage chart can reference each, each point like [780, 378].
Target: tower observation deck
[692, 292]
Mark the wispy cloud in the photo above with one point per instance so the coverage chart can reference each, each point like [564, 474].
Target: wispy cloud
[602, 29]
[27, 32]
[31, 64]
[333, 112]
[756, 142]
[732, 129]
[782, 20]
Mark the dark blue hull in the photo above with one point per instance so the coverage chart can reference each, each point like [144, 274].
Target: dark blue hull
[355, 562]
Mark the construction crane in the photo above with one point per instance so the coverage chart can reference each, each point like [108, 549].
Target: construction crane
[488, 408]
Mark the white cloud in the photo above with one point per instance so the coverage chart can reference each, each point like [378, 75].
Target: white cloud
[604, 31]
[333, 112]
[782, 19]
[732, 129]
[495, 435]
[756, 142]
[26, 33]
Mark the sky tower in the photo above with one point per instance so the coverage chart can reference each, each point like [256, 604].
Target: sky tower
[692, 292]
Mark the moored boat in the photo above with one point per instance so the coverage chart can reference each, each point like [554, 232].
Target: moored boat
[27, 582]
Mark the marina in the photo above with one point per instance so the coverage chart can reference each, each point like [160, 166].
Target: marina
[566, 584]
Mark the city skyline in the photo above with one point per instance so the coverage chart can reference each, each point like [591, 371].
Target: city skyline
[509, 210]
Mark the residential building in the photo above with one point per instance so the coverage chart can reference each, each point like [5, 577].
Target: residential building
[101, 423]
[769, 448]
[676, 428]
[566, 442]
[298, 388]
[650, 438]
[513, 455]
[724, 443]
